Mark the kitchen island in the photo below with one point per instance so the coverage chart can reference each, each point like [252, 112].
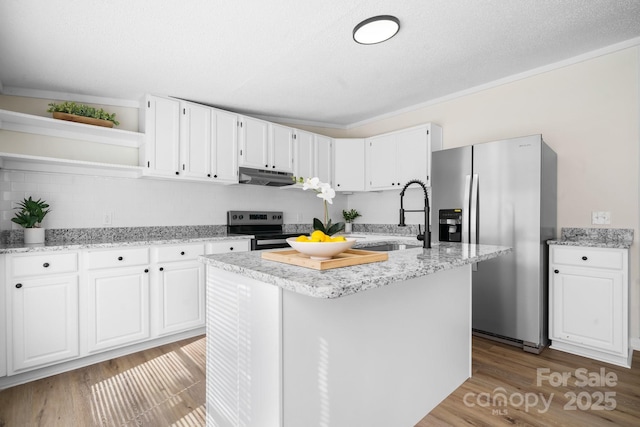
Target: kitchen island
[376, 344]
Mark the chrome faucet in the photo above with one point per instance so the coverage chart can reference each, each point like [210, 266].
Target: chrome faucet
[426, 236]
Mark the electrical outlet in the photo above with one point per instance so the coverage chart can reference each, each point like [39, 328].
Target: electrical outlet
[600, 217]
[107, 218]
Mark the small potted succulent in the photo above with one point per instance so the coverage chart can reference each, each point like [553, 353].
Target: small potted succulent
[82, 113]
[30, 216]
[349, 216]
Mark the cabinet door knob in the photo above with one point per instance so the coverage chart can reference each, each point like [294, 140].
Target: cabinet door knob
[584, 258]
[231, 248]
[18, 285]
[177, 172]
[161, 268]
[215, 176]
[146, 270]
[182, 253]
[120, 258]
[208, 175]
[266, 166]
[556, 271]
[45, 265]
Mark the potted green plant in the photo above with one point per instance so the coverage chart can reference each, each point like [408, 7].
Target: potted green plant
[349, 216]
[82, 113]
[30, 216]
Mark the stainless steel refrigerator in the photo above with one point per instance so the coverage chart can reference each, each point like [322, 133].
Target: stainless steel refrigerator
[501, 193]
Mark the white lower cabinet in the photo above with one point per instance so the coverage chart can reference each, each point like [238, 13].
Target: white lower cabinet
[66, 307]
[227, 246]
[42, 310]
[178, 288]
[118, 307]
[44, 318]
[588, 302]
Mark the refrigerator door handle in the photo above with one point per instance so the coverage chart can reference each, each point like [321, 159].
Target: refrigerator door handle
[465, 209]
[473, 224]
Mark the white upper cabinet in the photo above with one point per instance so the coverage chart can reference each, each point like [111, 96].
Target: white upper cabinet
[304, 154]
[265, 145]
[349, 164]
[160, 154]
[324, 158]
[281, 148]
[254, 143]
[313, 156]
[195, 140]
[224, 147]
[381, 162]
[189, 141]
[395, 158]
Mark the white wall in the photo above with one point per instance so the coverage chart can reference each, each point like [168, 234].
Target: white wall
[79, 201]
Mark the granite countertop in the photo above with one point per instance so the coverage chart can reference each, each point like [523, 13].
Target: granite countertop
[12, 248]
[616, 238]
[334, 283]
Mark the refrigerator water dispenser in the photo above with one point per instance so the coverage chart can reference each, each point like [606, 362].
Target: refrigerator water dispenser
[450, 228]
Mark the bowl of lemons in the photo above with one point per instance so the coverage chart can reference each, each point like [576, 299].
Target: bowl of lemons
[320, 246]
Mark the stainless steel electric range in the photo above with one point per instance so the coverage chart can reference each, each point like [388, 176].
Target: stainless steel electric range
[266, 227]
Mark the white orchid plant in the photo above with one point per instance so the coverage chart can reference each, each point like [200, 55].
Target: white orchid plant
[326, 193]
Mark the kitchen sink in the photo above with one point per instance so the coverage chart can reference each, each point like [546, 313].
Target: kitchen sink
[386, 247]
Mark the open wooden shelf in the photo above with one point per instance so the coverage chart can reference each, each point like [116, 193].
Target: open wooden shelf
[20, 122]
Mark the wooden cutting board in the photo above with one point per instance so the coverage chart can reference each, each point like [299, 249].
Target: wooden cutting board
[345, 259]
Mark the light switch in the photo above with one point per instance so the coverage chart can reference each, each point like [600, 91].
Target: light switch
[107, 218]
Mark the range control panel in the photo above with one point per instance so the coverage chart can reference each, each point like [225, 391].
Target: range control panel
[254, 218]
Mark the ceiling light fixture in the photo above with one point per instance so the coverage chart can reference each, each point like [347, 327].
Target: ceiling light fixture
[376, 30]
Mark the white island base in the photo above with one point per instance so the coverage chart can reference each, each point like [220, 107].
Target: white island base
[382, 357]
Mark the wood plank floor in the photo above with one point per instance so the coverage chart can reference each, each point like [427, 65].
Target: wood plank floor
[165, 386]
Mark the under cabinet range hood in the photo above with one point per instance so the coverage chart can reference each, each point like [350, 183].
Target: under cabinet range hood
[265, 177]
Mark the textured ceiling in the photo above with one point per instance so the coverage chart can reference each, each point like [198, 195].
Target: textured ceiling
[295, 59]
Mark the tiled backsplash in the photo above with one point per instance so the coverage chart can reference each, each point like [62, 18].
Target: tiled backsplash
[81, 201]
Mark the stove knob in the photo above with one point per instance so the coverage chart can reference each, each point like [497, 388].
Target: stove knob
[241, 216]
[274, 217]
[235, 217]
[279, 216]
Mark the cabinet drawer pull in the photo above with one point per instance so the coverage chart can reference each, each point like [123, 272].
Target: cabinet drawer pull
[584, 258]
[18, 285]
[182, 253]
[556, 271]
[45, 265]
[231, 248]
[120, 258]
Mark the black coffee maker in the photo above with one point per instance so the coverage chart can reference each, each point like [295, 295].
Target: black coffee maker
[450, 225]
